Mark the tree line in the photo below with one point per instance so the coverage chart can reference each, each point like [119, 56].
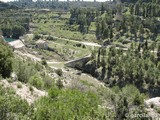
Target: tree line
[114, 22]
[14, 28]
[139, 65]
[145, 9]
[83, 18]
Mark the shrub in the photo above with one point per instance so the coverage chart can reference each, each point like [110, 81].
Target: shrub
[158, 110]
[44, 62]
[48, 82]
[31, 88]
[24, 70]
[78, 45]
[36, 37]
[138, 100]
[53, 93]
[5, 60]
[38, 66]
[10, 80]
[133, 94]
[19, 85]
[152, 105]
[50, 38]
[66, 105]
[11, 106]
[83, 46]
[36, 81]
[59, 72]
[59, 84]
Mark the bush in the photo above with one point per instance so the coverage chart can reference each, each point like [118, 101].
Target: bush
[83, 46]
[78, 45]
[59, 84]
[36, 81]
[19, 85]
[5, 60]
[31, 88]
[59, 72]
[48, 82]
[36, 37]
[152, 105]
[65, 105]
[24, 70]
[11, 106]
[44, 62]
[53, 93]
[158, 110]
[133, 94]
[138, 100]
[38, 66]
[50, 38]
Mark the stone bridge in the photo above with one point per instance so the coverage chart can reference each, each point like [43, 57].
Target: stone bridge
[78, 63]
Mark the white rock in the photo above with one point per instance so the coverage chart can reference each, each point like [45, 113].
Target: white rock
[155, 101]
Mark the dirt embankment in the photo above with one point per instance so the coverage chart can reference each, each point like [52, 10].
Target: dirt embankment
[30, 94]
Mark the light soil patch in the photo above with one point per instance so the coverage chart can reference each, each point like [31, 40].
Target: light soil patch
[32, 57]
[17, 44]
[84, 43]
[24, 91]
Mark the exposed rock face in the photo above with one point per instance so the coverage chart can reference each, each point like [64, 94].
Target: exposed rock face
[153, 101]
[153, 107]
[16, 44]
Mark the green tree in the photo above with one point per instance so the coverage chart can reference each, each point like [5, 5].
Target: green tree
[102, 8]
[98, 31]
[131, 8]
[18, 31]
[5, 60]
[7, 31]
[111, 33]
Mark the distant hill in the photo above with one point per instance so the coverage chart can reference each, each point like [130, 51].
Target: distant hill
[4, 6]
[134, 1]
[129, 1]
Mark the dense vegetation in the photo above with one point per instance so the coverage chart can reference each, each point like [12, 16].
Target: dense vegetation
[60, 104]
[12, 106]
[5, 60]
[5, 6]
[115, 23]
[54, 4]
[128, 63]
[66, 104]
[139, 66]
[128, 25]
[12, 27]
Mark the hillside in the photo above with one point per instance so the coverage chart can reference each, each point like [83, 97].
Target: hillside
[4, 6]
[80, 60]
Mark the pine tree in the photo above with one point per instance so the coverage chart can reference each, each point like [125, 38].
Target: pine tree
[98, 58]
[98, 31]
[158, 53]
[111, 33]
[5, 60]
